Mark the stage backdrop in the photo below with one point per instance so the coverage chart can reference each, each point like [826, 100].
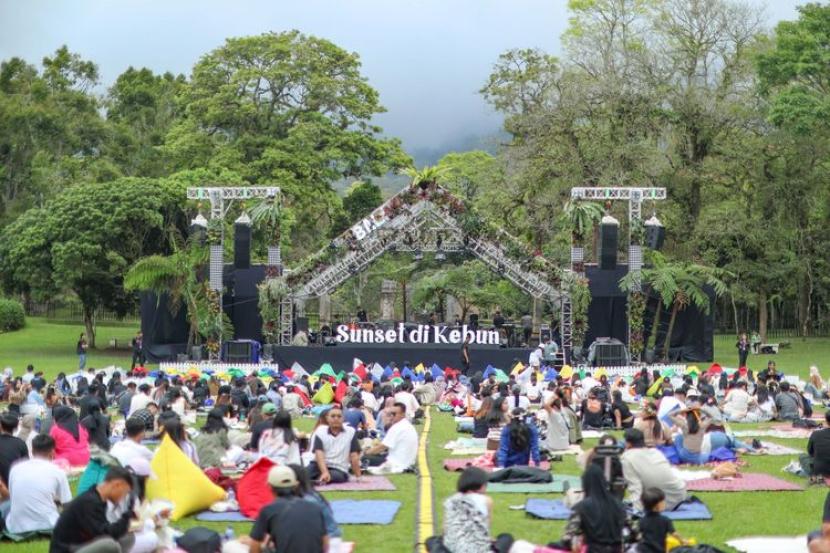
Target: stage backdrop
[165, 335]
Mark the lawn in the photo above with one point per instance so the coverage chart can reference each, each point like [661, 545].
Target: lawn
[51, 348]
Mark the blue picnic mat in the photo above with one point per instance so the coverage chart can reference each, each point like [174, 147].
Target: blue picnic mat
[346, 511]
[364, 511]
[554, 509]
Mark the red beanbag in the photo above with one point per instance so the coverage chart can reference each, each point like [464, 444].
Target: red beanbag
[252, 491]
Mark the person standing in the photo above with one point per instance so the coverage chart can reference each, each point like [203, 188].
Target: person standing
[361, 315]
[527, 328]
[465, 355]
[743, 349]
[80, 349]
[138, 350]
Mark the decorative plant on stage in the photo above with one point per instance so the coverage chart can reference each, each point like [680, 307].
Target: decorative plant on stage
[636, 315]
[271, 293]
[580, 295]
[267, 215]
[581, 216]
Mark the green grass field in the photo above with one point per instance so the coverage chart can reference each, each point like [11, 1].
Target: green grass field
[50, 347]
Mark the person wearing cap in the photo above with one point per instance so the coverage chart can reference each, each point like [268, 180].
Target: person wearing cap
[36, 487]
[268, 411]
[290, 523]
[519, 442]
[255, 415]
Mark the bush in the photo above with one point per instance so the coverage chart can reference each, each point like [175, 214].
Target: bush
[11, 315]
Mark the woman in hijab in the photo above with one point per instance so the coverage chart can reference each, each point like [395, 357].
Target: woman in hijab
[597, 523]
[212, 442]
[71, 439]
[98, 426]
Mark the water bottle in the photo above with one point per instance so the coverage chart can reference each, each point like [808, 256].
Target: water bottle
[229, 533]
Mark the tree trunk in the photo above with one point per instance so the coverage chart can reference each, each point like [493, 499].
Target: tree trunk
[655, 326]
[667, 343]
[762, 315]
[89, 324]
[403, 299]
[735, 314]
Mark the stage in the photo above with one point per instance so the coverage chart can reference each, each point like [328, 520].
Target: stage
[340, 356]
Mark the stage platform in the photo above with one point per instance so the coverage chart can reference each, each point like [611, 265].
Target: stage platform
[341, 355]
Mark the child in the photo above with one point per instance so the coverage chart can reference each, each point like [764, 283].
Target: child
[654, 527]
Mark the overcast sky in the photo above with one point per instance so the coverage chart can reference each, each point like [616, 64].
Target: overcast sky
[427, 58]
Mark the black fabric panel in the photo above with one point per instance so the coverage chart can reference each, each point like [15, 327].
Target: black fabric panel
[160, 327]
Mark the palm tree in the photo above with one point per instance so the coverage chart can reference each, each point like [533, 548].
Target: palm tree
[176, 276]
[267, 215]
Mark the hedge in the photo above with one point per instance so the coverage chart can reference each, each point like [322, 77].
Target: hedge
[12, 316]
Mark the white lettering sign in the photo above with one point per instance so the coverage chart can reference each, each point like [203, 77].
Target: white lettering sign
[421, 334]
[368, 225]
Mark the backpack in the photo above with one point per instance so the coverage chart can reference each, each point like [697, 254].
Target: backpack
[200, 540]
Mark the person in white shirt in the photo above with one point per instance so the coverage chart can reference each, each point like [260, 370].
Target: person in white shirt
[400, 444]
[535, 357]
[140, 400]
[737, 403]
[130, 447]
[36, 487]
[369, 400]
[29, 374]
[406, 397]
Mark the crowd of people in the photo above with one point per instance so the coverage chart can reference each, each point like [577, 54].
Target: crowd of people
[525, 418]
[51, 429]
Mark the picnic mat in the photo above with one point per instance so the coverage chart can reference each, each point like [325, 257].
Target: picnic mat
[467, 446]
[748, 482]
[346, 511]
[554, 509]
[366, 484]
[770, 544]
[778, 449]
[457, 465]
[557, 486]
[371, 511]
[784, 432]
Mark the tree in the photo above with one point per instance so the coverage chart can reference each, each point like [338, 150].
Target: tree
[285, 108]
[51, 131]
[361, 199]
[86, 238]
[175, 278]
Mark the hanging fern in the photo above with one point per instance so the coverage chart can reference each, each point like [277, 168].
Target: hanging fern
[636, 314]
[271, 293]
[580, 294]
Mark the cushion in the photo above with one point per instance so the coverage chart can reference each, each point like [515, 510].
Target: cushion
[252, 490]
[181, 482]
[324, 395]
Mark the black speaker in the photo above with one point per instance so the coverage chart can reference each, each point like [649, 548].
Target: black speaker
[301, 324]
[655, 236]
[544, 333]
[609, 232]
[242, 246]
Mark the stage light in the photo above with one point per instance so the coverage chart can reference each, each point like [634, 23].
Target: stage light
[199, 222]
[243, 220]
[418, 255]
[440, 256]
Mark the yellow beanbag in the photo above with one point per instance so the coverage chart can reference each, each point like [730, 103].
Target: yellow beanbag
[566, 372]
[324, 395]
[180, 481]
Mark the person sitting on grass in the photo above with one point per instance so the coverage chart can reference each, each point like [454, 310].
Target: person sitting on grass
[280, 443]
[130, 447]
[37, 487]
[654, 431]
[598, 523]
[689, 443]
[620, 411]
[71, 439]
[467, 517]
[176, 431]
[645, 467]
[290, 523]
[306, 490]
[12, 448]
[335, 447]
[268, 412]
[98, 426]
[654, 527]
[788, 403]
[818, 452]
[519, 442]
[83, 526]
[399, 448]
[212, 442]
